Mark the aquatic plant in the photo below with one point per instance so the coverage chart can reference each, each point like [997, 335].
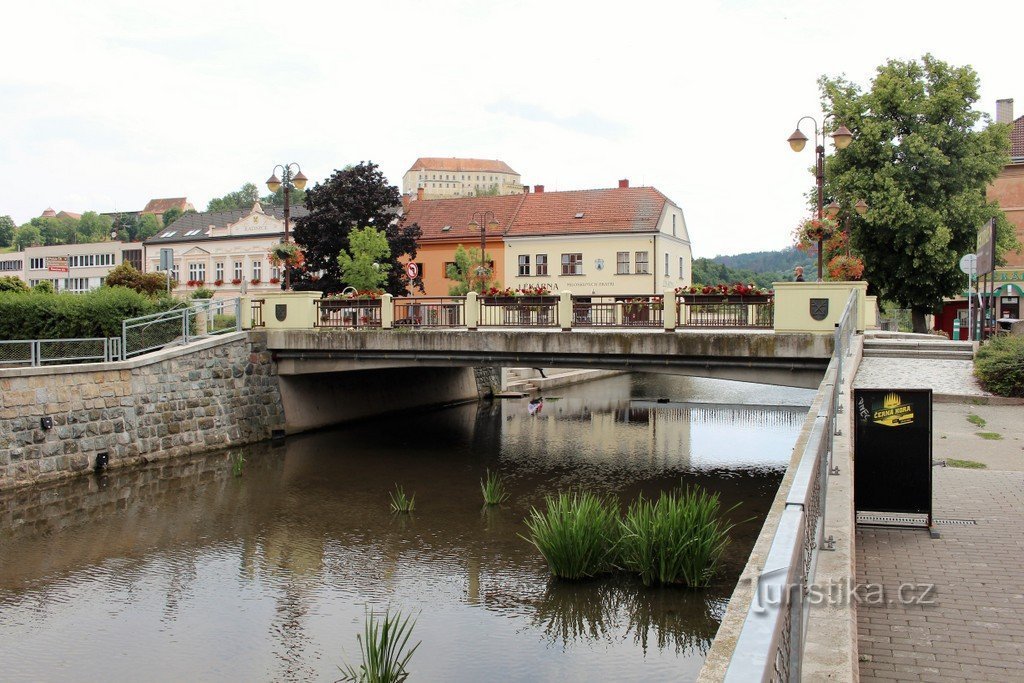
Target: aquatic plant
[384, 646]
[401, 502]
[576, 533]
[493, 488]
[237, 464]
[678, 539]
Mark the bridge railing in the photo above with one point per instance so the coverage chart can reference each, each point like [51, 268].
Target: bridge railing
[354, 312]
[441, 311]
[772, 636]
[518, 311]
[202, 318]
[630, 310]
[735, 311]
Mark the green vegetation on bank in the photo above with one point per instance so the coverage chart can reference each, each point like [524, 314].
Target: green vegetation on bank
[999, 365]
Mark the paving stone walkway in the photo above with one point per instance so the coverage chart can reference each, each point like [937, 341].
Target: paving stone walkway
[971, 627]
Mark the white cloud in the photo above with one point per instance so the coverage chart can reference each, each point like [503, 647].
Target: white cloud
[117, 102]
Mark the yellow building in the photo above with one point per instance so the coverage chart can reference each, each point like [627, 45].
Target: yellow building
[441, 177]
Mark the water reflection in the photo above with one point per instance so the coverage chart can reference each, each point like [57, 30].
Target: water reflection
[197, 573]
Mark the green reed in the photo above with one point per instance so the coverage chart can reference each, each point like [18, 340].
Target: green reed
[576, 533]
[401, 502]
[384, 646]
[237, 464]
[493, 488]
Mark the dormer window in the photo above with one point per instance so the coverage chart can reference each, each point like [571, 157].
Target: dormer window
[193, 232]
[579, 215]
[446, 228]
[169, 233]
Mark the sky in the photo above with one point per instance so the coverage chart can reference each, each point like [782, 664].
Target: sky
[106, 104]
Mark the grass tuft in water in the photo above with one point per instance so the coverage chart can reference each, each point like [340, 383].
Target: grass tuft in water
[384, 646]
[401, 502]
[237, 464]
[493, 488]
[576, 533]
[678, 539]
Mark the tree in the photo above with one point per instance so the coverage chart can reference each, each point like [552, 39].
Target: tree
[367, 267]
[126, 275]
[489, 191]
[296, 197]
[27, 236]
[9, 283]
[170, 215]
[93, 227]
[149, 225]
[127, 226]
[352, 197]
[465, 270]
[56, 230]
[7, 229]
[243, 198]
[922, 166]
[44, 287]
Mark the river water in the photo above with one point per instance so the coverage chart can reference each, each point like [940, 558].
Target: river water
[205, 570]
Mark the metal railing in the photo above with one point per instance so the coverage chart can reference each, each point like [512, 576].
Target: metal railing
[518, 311]
[618, 311]
[180, 325]
[771, 641]
[733, 312]
[447, 311]
[256, 310]
[36, 352]
[347, 313]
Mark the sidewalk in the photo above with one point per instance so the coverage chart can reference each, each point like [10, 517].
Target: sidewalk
[973, 627]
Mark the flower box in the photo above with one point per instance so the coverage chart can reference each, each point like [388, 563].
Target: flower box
[218, 283]
[236, 281]
[255, 281]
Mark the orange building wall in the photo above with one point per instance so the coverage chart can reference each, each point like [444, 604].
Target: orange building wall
[1008, 190]
[433, 255]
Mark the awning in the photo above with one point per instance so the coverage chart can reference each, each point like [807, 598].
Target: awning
[1009, 289]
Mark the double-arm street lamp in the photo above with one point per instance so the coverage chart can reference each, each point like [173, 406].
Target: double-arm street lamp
[483, 225]
[841, 138]
[291, 176]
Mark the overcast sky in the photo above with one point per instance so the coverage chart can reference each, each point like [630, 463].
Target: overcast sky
[104, 104]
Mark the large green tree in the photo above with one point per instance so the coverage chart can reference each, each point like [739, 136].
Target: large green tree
[27, 236]
[7, 229]
[921, 161]
[355, 197]
[465, 270]
[243, 198]
[365, 265]
[93, 227]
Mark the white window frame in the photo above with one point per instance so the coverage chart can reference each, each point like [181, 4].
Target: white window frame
[642, 262]
[622, 263]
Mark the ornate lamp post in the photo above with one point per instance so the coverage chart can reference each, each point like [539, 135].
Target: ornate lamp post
[841, 138]
[482, 227]
[833, 210]
[289, 178]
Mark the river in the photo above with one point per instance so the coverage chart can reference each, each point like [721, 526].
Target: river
[213, 569]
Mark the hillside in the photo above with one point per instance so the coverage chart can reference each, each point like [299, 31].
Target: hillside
[759, 267]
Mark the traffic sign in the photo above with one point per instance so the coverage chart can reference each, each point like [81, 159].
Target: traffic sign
[969, 264]
[412, 270]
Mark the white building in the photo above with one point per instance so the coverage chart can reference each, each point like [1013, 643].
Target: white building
[70, 267]
[441, 177]
[222, 250]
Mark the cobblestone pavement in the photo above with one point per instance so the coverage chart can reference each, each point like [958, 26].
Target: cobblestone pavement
[943, 376]
[974, 631]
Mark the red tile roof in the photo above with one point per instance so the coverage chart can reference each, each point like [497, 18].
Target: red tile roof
[1017, 139]
[614, 210]
[163, 205]
[455, 165]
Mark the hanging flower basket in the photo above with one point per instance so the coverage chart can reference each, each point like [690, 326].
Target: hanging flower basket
[818, 229]
[286, 253]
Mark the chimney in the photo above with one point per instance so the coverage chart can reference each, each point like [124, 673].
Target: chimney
[405, 203]
[419, 194]
[526, 189]
[624, 182]
[538, 189]
[1004, 111]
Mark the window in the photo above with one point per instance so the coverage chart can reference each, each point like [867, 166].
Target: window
[572, 264]
[257, 270]
[238, 270]
[170, 233]
[682, 269]
[218, 270]
[542, 264]
[132, 256]
[524, 264]
[673, 225]
[76, 284]
[36, 263]
[444, 270]
[193, 232]
[197, 272]
[622, 263]
[666, 266]
[174, 273]
[641, 263]
[10, 265]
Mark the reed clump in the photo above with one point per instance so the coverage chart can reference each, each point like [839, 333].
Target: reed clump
[493, 488]
[384, 646]
[577, 533]
[400, 502]
[677, 539]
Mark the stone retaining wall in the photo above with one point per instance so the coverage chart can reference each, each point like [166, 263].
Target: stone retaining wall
[211, 394]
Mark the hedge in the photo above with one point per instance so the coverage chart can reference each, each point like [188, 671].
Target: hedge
[37, 315]
[999, 364]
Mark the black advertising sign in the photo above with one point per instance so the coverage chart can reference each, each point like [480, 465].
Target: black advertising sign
[986, 248]
[893, 451]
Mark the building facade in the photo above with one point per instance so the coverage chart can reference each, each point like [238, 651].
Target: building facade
[441, 178]
[1008, 191]
[223, 250]
[616, 241]
[70, 267]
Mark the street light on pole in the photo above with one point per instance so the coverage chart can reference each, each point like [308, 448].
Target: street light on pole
[291, 176]
[834, 209]
[483, 226]
[841, 138]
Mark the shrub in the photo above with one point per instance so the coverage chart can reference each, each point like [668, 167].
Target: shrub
[202, 293]
[125, 275]
[44, 287]
[678, 539]
[999, 365]
[9, 283]
[577, 534]
[36, 315]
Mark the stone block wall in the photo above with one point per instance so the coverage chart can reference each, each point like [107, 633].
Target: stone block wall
[212, 394]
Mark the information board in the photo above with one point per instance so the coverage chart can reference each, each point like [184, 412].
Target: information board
[893, 451]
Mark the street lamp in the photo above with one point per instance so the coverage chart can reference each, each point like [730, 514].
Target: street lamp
[289, 178]
[474, 225]
[841, 138]
[833, 210]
